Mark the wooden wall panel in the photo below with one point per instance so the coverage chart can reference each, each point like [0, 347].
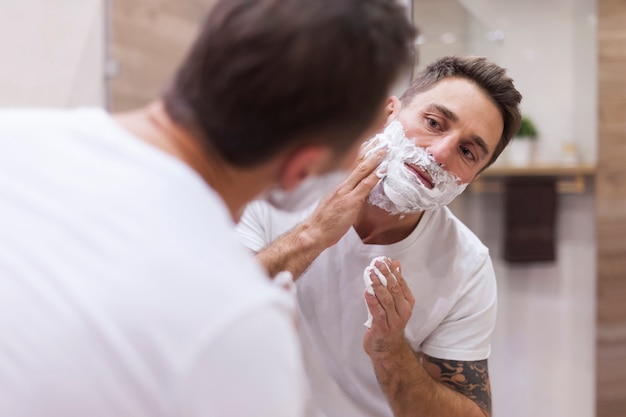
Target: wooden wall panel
[611, 211]
[148, 39]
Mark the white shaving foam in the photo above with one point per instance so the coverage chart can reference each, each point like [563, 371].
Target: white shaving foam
[369, 284]
[399, 190]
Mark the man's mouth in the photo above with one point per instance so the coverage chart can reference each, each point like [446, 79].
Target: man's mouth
[422, 175]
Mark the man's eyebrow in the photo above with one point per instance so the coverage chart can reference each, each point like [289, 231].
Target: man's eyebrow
[443, 110]
[480, 142]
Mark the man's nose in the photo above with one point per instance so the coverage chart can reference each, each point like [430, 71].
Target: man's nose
[441, 150]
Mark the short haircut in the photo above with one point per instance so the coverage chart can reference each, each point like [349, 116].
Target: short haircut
[488, 76]
[268, 75]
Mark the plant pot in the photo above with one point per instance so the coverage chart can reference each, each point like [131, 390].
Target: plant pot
[520, 151]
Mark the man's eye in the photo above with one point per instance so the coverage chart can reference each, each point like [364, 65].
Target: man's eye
[432, 122]
[467, 153]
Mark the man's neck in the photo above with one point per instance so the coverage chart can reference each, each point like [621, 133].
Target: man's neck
[236, 186]
[377, 226]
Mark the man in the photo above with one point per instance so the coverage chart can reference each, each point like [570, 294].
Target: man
[125, 291]
[426, 351]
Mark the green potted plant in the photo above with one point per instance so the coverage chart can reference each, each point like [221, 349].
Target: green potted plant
[527, 129]
[523, 144]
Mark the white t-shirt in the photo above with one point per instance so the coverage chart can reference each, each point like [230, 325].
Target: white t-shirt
[448, 270]
[124, 290]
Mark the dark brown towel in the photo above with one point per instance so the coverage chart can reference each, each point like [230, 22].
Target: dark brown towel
[529, 231]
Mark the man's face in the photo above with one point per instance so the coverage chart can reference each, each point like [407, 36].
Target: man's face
[455, 122]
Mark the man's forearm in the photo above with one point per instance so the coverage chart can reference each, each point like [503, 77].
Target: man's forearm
[294, 251]
[411, 391]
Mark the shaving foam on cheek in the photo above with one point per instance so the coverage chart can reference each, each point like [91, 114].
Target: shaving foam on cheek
[369, 284]
[400, 191]
[381, 171]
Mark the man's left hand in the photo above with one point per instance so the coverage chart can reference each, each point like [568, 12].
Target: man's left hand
[391, 308]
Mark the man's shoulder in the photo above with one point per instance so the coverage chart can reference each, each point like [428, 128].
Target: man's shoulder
[261, 223]
[261, 209]
[24, 117]
[451, 230]
[25, 128]
[217, 264]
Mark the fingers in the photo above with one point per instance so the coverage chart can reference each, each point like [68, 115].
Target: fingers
[395, 299]
[379, 316]
[408, 295]
[367, 149]
[386, 290]
[364, 169]
[366, 185]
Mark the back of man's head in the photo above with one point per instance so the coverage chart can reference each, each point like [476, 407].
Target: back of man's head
[490, 77]
[267, 75]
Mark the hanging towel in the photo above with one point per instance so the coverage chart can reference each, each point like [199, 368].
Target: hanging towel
[530, 216]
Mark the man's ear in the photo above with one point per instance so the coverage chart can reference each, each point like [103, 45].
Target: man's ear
[392, 108]
[302, 163]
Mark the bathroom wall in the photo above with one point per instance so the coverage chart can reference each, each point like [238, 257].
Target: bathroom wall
[611, 211]
[52, 53]
[148, 39]
[444, 29]
[543, 361]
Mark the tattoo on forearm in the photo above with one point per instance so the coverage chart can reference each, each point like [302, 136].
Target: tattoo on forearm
[468, 378]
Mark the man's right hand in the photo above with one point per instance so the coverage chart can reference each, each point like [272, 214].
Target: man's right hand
[295, 250]
[336, 212]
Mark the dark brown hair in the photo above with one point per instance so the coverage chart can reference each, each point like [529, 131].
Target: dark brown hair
[491, 78]
[266, 75]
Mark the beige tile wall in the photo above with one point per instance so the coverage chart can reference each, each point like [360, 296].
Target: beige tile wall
[611, 210]
[148, 39]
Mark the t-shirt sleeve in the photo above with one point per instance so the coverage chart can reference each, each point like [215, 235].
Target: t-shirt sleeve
[253, 227]
[253, 369]
[261, 223]
[465, 333]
